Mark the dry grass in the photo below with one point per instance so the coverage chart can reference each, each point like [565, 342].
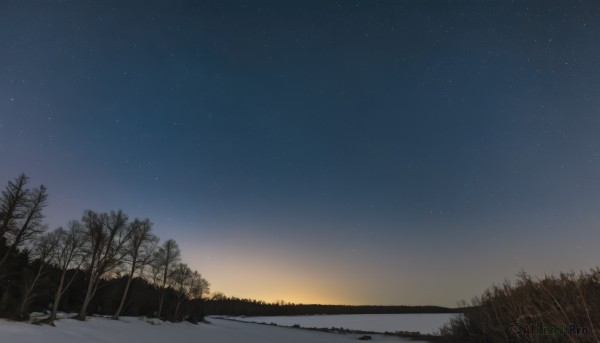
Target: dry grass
[549, 302]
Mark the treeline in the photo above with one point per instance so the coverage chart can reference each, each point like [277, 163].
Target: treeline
[219, 304]
[103, 263]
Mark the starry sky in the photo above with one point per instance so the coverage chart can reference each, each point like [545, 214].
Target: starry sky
[355, 152]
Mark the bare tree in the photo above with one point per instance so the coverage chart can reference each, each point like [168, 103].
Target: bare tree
[188, 285]
[11, 202]
[167, 257]
[200, 287]
[105, 235]
[139, 252]
[180, 279]
[155, 269]
[69, 256]
[25, 222]
[218, 296]
[44, 249]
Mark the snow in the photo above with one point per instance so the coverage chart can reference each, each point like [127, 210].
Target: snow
[133, 329]
[425, 323]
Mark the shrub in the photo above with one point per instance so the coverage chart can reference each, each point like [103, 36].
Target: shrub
[552, 309]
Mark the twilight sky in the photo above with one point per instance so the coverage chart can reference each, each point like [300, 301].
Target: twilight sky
[358, 152]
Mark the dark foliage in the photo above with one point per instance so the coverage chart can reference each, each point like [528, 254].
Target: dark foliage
[143, 299]
[232, 306]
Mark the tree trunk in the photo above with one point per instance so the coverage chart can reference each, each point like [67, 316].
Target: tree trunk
[23, 313]
[25, 303]
[176, 310]
[116, 315]
[160, 304]
[57, 297]
[27, 296]
[83, 311]
[86, 301]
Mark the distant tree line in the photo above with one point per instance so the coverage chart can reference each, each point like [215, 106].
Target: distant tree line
[103, 263]
[219, 304]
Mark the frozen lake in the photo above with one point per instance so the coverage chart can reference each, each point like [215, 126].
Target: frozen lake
[425, 323]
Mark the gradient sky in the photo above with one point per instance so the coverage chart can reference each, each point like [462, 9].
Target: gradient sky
[357, 152]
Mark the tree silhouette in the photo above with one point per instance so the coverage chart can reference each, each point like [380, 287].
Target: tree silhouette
[69, 256]
[167, 257]
[188, 285]
[25, 221]
[105, 236]
[44, 249]
[45, 266]
[139, 251]
[12, 202]
[181, 278]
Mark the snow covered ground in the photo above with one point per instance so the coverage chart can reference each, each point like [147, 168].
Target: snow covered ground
[426, 323]
[131, 329]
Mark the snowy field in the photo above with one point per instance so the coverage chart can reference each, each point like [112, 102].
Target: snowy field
[426, 323]
[131, 329]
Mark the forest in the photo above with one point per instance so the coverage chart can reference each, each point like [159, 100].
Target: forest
[103, 263]
[111, 265]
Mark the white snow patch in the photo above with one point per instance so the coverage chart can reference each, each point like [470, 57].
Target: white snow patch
[134, 329]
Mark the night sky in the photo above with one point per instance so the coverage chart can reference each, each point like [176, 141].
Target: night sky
[357, 152]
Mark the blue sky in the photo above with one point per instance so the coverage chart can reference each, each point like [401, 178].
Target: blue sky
[361, 152]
